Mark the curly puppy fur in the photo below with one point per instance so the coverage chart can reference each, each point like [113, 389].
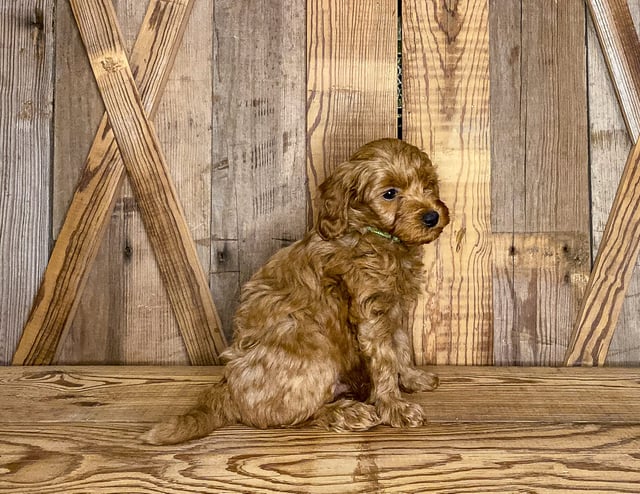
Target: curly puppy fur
[319, 333]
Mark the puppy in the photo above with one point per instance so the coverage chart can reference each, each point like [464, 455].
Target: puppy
[319, 334]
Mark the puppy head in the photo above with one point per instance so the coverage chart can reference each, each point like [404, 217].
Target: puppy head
[389, 185]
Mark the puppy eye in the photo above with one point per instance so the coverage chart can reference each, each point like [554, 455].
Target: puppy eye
[390, 194]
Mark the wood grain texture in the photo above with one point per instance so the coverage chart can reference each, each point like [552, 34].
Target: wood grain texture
[619, 247]
[26, 98]
[491, 430]
[612, 271]
[446, 112]
[107, 458]
[351, 81]
[540, 170]
[619, 41]
[82, 231]
[609, 147]
[142, 394]
[164, 219]
[539, 117]
[536, 295]
[258, 177]
[132, 321]
[183, 125]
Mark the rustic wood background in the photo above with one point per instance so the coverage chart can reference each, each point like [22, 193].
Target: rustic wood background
[509, 97]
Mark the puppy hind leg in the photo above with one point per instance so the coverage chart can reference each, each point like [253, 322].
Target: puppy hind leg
[346, 415]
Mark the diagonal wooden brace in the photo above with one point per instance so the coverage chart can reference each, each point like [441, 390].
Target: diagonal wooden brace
[84, 226]
[620, 245]
[162, 214]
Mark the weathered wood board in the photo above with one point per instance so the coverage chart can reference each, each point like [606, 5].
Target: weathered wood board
[446, 112]
[539, 172]
[505, 279]
[26, 114]
[609, 147]
[82, 232]
[131, 322]
[75, 429]
[258, 191]
[351, 81]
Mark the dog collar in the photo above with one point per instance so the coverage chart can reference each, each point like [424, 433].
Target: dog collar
[386, 235]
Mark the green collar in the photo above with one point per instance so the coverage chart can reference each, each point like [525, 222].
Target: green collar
[386, 235]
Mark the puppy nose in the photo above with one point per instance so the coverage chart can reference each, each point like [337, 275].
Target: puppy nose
[430, 218]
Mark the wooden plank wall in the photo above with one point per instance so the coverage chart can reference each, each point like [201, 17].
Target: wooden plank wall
[26, 121]
[511, 100]
[609, 147]
[446, 112]
[540, 206]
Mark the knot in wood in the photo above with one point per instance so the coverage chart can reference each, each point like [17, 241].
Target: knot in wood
[110, 64]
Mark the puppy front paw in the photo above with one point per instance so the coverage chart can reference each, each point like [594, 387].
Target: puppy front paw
[413, 380]
[400, 413]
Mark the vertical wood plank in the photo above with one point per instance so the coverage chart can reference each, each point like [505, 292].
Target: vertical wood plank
[26, 97]
[609, 146]
[540, 195]
[351, 88]
[258, 175]
[508, 125]
[446, 112]
[539, 117]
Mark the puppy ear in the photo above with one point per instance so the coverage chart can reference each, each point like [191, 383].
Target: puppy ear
[335, 197]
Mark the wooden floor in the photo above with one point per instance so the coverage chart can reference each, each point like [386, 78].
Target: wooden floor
[75, 430]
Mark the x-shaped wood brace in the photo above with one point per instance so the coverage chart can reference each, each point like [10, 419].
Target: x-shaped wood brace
[126, 141]
[620, 244]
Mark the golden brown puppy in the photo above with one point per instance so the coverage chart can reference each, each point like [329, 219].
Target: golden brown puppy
[319, 334]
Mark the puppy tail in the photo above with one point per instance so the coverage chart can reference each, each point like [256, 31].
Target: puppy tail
[215, 410]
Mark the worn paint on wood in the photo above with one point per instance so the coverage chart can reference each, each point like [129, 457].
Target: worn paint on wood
[446, 112]
[26, 98]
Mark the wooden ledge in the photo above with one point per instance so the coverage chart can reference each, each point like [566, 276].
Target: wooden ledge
[75, 429]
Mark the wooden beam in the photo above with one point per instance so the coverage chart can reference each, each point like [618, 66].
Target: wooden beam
[83, 229]
[162, 213]
[611, 273]
[27, 61]
[491, 430]
[445, 67]
[619, 41]
[352, 92]
[539, 177]
[620, 245]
